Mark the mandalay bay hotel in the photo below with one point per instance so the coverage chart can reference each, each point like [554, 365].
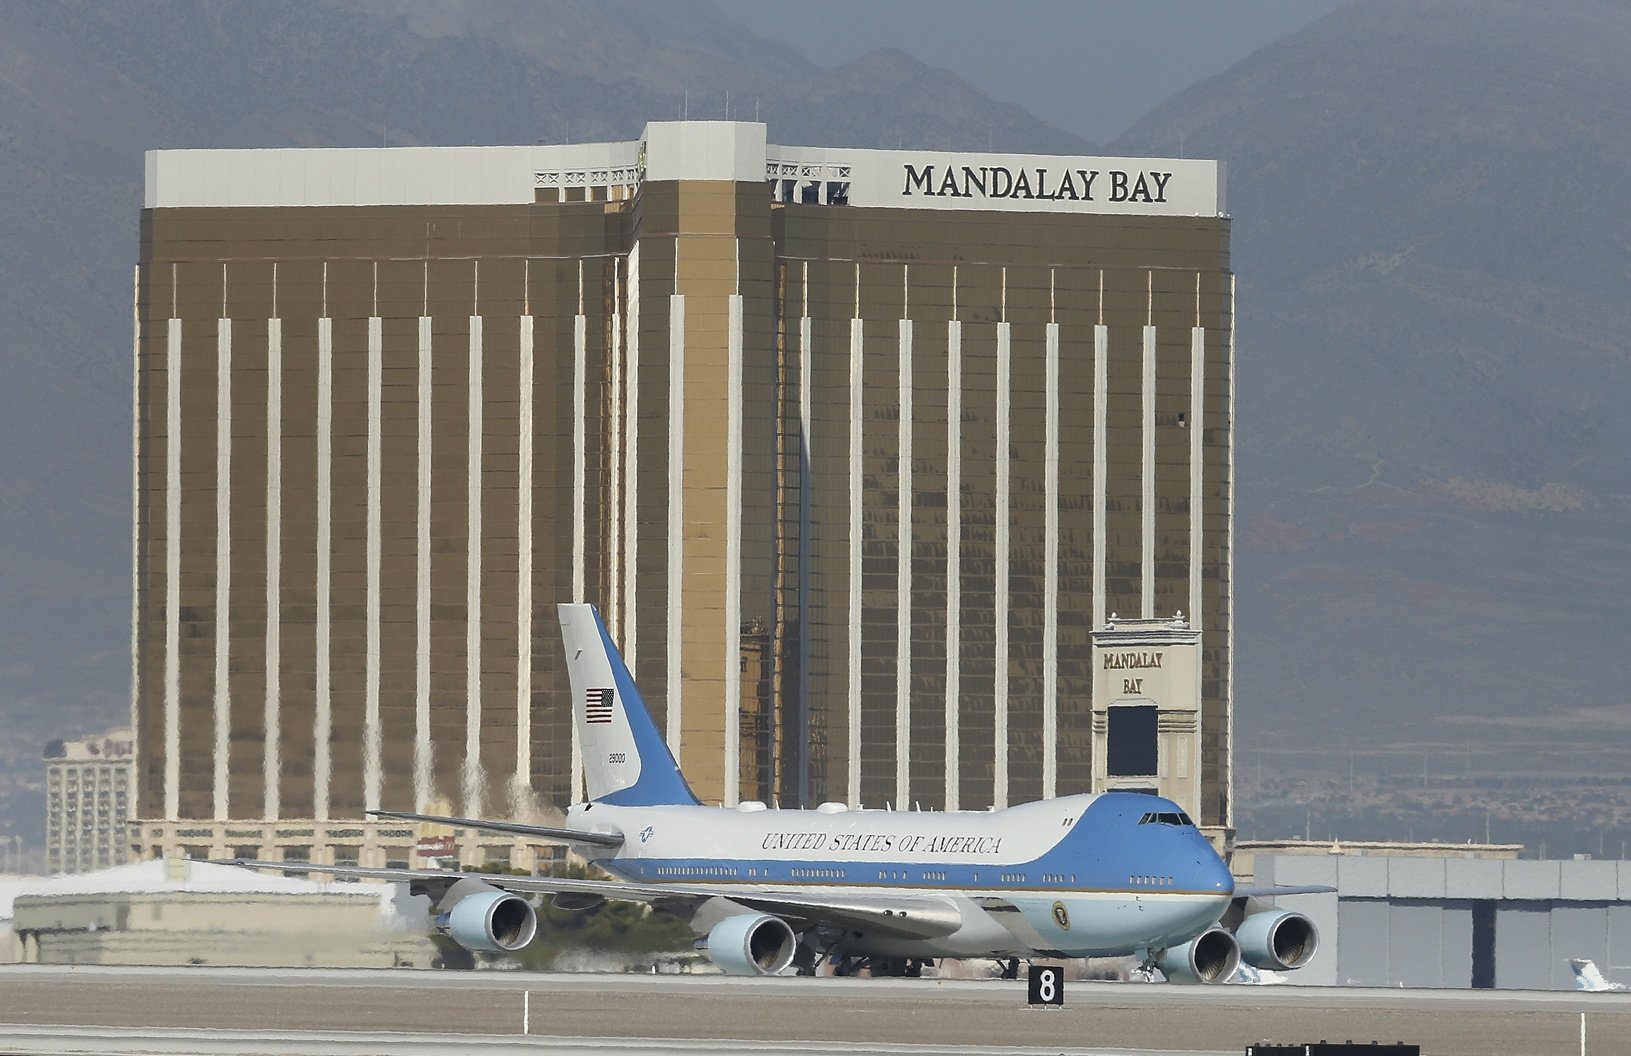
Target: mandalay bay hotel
[902, 478]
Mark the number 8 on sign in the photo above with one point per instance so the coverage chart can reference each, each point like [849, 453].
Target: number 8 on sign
[1047, 985]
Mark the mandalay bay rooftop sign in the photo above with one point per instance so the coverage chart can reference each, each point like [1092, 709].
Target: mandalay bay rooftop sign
[904, 179]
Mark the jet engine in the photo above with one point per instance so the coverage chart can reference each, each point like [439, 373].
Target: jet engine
[1277, 941]
[478, 916]
[1210, 957]
[751, 945]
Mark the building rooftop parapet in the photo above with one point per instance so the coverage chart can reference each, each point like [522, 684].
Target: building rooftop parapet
[735, 151]
[1381, 848]
[113, 746]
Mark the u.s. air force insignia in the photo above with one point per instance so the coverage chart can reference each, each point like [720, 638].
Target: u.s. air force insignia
[1061, 916]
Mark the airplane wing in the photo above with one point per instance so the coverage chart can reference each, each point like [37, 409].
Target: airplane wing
[513, 828]
[1270, 892]
[908, 917]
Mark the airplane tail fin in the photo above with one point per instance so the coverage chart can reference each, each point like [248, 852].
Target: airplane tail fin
[625, 760]
[1587, 976]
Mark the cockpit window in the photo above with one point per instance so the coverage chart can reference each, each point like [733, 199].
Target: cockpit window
[1166, 818]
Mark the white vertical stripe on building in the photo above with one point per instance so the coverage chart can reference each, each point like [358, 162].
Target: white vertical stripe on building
[580, 455]
[371, 734]
[806, 541]
[172, 572]
[1146, 502]
[580, 496]
[1101, 360]
[423, 787]
[631, 462]
[733, 552]
[136, 539]
[612, 591]
[676, 520]
[223, 560]
[323, 722]
[1197, 403]
[903, 579]
[1000, 688]
[273, 735]
[856, 384]
[472, 776]
[523, 576]
[1050, 571]
[1228, 818]
[954, 559]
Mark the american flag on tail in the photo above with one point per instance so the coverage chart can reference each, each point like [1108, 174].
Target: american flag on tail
[598, 705]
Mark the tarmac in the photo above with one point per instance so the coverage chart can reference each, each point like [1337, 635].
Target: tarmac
[53, 1009]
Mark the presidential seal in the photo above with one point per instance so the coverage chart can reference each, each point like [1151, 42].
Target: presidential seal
[1061, 916]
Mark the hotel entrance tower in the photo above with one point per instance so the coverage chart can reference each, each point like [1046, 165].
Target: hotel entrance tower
[859, 452]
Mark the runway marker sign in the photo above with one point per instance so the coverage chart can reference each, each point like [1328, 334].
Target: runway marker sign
[1047, 985]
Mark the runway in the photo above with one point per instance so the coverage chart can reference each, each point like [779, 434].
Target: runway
[49, 1009]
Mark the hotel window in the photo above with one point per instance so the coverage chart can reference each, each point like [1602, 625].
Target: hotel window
[1132, 749]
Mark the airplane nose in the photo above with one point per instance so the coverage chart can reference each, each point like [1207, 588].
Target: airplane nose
[1215, 874]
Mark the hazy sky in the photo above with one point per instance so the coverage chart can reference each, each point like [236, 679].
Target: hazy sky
[1091, 67]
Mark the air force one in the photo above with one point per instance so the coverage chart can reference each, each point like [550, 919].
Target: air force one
[765, 890]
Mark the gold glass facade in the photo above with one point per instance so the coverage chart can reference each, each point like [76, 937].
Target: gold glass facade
[993, 287]
[828, 469]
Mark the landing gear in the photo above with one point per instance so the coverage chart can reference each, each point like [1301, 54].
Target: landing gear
[882, 967]
[899, 967]
[1010, 968]
[815, 946]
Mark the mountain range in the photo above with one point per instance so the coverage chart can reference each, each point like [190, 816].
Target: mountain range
[1433, 363]
[1434, 265]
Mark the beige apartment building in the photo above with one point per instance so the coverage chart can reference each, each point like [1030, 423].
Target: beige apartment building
[87, 803]
[902, 478]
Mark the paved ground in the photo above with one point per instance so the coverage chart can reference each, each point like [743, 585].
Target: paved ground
[224, 1010]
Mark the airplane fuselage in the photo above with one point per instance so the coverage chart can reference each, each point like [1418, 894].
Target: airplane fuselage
[1112, 874]
[1076, 876]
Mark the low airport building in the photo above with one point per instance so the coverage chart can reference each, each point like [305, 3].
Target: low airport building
[902, 477]
[177, 912]
[1449, 920]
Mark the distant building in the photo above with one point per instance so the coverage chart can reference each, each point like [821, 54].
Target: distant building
[178, 912]
[1244, 853]
[87, 802]
[1435, 919]
[901, 477]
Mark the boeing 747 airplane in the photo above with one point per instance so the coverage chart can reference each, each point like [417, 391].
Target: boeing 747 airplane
[765, 889]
